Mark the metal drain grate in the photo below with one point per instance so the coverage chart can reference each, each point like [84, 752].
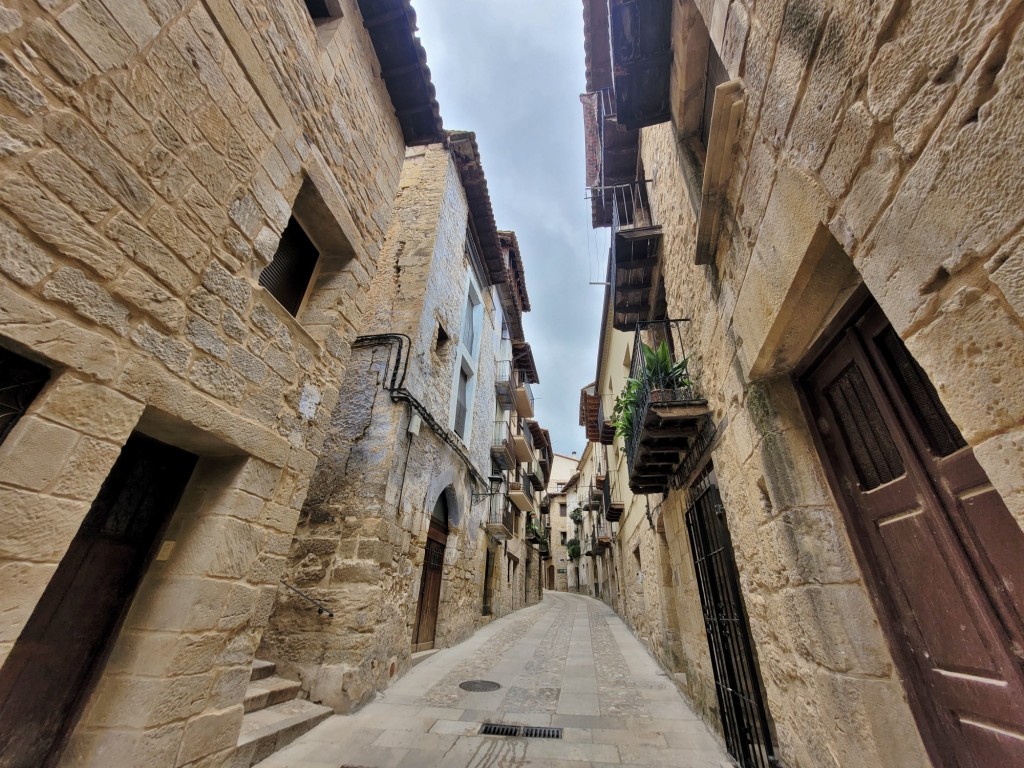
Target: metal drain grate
[537, 732]
[498, 729]
[527, 731]
[479, 686]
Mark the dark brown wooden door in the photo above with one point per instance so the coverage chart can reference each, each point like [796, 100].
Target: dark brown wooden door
[430, 582]
[60, 654]
[941, 553]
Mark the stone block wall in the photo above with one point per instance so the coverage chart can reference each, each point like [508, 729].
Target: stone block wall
[361, 537]
[150, 156]
[890, 132]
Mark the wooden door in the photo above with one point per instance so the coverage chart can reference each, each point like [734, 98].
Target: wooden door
[59, 656]
[942, 555]
[430, 581]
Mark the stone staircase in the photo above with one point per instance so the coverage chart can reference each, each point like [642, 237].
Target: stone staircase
[274, 717]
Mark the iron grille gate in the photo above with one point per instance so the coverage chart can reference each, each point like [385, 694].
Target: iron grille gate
[737, 681]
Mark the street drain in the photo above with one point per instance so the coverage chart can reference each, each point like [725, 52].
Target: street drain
[527, 731]
[479, 686]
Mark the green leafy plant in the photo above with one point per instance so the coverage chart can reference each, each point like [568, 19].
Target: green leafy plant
[576, 516]
[659, 370]
[573, 548]
[625, 407]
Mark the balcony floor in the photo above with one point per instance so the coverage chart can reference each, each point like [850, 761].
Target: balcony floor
[668, 432]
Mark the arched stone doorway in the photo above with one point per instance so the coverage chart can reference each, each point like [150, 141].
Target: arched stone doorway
[430, 581]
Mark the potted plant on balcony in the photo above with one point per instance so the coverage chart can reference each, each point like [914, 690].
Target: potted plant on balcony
[576, 516]
[572, 547]
[533, 535]
[662, 377]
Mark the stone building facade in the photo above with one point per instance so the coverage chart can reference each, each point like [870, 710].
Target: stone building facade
[561, 499]
[194, 198]
[815, 204]
[416, 522]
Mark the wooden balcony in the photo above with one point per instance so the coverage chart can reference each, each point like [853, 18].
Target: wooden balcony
[668, 414]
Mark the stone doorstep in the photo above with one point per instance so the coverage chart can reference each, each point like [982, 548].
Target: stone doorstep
[270, 729]
[262, 669]
[269, 691]
[420, 656]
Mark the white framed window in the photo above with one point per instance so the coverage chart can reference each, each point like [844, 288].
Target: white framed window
[464, 379]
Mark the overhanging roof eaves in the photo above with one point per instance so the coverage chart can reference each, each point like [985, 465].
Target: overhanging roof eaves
[516, 262]
[391, 25]
[466, 153]
[522, 360]
[596, 46]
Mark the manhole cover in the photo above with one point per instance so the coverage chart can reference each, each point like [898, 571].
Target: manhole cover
[479, 686]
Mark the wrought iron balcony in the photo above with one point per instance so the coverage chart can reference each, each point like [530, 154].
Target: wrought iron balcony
[500, 518]
[523, 396]
[634, 253]
[613, 505]
[535, 472]
[661, 410]
[504, 385]
[522, 442]
[520, 493]
[502, 450]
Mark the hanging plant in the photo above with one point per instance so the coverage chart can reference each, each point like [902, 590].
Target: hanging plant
[572, 546]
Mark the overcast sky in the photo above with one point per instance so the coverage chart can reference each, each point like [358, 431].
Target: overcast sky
[512, 71]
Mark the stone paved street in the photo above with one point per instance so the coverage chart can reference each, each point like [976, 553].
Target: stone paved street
[568, 662]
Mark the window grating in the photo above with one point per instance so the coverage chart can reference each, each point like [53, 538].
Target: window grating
[874, 454]
[940, 431]
[287, 275]
[20, 381]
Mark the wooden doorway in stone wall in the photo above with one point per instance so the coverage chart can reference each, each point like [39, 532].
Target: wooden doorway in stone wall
[940, 552]
[60, 655]
[430, 582]
[551, 577]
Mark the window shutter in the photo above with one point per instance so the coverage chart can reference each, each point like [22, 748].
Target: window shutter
[287, 275]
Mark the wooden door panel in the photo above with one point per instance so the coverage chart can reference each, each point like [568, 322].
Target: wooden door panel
[60, 654]
[939, 549]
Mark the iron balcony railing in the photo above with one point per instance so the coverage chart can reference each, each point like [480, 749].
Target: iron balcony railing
[502, 450]
[500, 517]
[660, 375]
[631, 207]
[527, 390]
[504, 383]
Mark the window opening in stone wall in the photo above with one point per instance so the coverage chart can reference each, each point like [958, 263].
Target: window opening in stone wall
[461, 404]
[324, 10]
[562, 508]
[21, 380]
[564, 535]
[463, 385]
[288, 274]
[442, 338]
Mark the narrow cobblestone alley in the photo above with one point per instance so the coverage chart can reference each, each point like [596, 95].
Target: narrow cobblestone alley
[567, 662]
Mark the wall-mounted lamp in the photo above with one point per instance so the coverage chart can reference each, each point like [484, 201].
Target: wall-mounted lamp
[495, 489]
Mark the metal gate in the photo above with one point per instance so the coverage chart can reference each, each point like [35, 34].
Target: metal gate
[737, 680]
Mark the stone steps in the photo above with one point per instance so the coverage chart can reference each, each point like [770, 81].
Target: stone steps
[274, 717]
